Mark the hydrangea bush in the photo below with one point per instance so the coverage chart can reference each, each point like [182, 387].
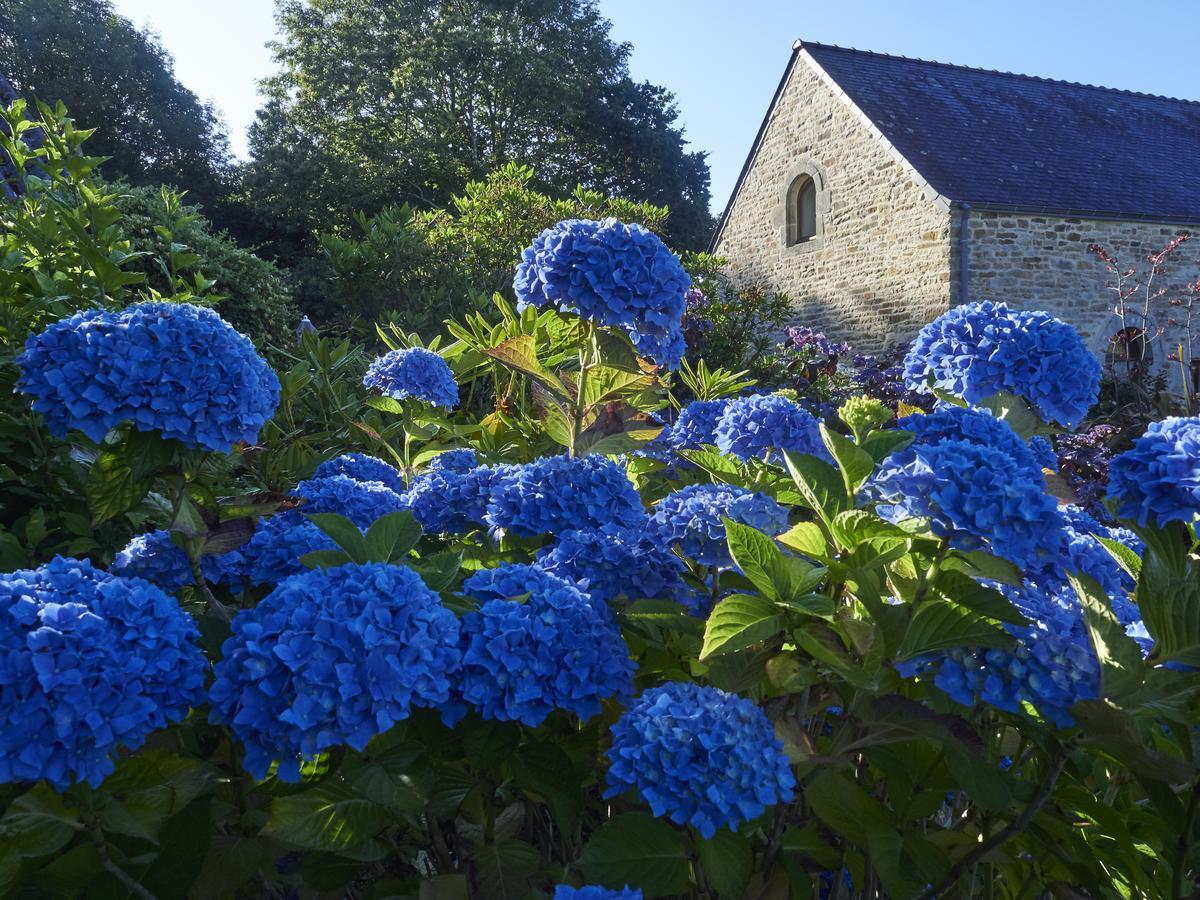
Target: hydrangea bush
[821, 651]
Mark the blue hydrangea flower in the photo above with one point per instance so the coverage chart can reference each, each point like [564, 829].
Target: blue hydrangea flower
[1087, 555]
[1158, 480]
[954, 423]
[696, 424]
[593, 892]
[558, 493]
[612, 561]
[1052, 666]
[976, 497]
[690, 519]
[173, 368]
[361, 467]
[329, 658]
[537, 644]
[614, 274]
[761, 425]
[451, 502]
[159, 560]
[360, 501]
[89, 662]
[660, 448]
[699, 756]
[415, 372]
[460, 460]
[978, 350]
[156, 558]
[273, 552]
[1043, 452]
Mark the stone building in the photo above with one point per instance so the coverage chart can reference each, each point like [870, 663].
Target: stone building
[881, 190]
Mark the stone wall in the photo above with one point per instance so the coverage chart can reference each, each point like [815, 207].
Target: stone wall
[879, 266]
[1042, 262]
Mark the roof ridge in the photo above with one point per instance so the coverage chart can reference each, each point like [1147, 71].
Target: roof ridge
[802, 44]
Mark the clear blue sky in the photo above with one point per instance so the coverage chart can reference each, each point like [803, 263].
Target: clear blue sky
[723, 58]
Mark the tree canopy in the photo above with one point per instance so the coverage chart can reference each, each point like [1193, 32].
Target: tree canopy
[118, 79]
[408, 101]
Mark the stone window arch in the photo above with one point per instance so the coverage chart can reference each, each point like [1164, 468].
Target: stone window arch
[801, 210]
[803, 205]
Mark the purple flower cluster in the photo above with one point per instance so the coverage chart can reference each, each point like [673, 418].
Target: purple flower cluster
[1083, 459]
[806, 338]
[173, 368]
[883, 379]
[614, 274]
[699, 756]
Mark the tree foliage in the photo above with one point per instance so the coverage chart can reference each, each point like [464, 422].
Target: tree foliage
[408, 101]
[119, 79]
[422, 266]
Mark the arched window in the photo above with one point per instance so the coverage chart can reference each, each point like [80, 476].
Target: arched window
[801, 210]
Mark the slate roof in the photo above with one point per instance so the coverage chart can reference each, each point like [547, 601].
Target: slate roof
[996, 139]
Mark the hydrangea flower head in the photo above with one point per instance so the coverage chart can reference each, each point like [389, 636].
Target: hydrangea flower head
[362, 467]
[978, 350]
[696, 424]
[611, 561]
[156, 558]
[1088, 556]
[451, 502]
[976, 426]
[360, 501]
[537, 644]
[1052, 666]
[614, 274]
[1158, 479]
[977, 497]
[593, 892]
[415, 372]
[273, 552]
[699, 756]
[89, 662]
[762, 425]
[690, 518]
[459, 460]
[560, 493]
[174, 368]
[329, 658]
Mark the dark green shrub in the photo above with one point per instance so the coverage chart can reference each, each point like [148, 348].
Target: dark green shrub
[250, 293]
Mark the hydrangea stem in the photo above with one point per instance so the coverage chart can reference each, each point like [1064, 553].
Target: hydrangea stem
[589, 356]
